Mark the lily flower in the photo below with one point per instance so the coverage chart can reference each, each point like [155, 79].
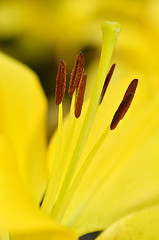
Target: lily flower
[98, 173]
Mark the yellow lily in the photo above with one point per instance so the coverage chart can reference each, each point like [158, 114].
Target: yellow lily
[118, 192]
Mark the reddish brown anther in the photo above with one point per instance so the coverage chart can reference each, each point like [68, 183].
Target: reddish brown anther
[60, 83]
[125, 104]
[80, 96]
[76, 74]
[106, 83]
[131, 88]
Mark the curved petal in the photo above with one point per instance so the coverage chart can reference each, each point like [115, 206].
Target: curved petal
[141, 225]
[123, 176]
[19, 214]
[125, 169]
[4, 236]
[23, 115]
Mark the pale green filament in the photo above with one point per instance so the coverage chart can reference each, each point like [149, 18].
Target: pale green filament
[64, 155]
[81, 173]
[49, 198]
[91, 193]
[51, 194]
[70, 129]
[110, 32]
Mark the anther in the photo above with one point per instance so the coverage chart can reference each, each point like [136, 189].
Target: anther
[106, 83]
[60, 83]
[131, 88]
[80, 96]
[125, 104]
[76, 74]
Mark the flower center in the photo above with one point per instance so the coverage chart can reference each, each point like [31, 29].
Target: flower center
[63, 184]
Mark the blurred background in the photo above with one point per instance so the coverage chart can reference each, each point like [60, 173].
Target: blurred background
[41, 32]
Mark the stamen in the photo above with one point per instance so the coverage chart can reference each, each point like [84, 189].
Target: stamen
[80, 96]
[106, 83]
[60, 83]
[125, 104]
[110, 31]
[76, 74]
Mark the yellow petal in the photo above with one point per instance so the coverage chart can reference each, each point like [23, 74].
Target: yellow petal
[4, 236]
[143, 225]
[128, 160]
[23, 114]
[19, 213]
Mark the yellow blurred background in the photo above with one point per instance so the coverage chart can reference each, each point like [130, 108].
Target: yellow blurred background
[41, 32]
